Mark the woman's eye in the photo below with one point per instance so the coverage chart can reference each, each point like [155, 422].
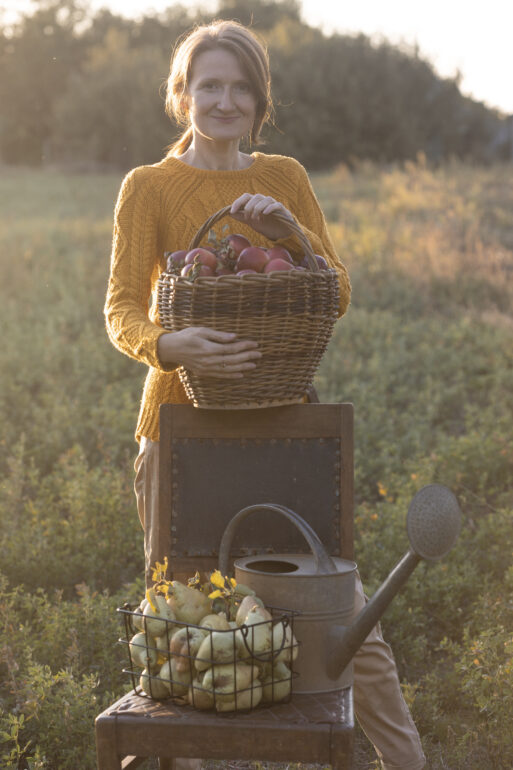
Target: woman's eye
[210, 86]
[242, 88]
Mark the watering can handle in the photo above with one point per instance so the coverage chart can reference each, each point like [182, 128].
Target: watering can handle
[325, 563]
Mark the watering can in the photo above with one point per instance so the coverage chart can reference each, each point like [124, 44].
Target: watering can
[320, 588]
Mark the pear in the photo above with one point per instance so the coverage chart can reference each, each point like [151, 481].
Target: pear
[185, 644]
[227, 680]
[242, 700]
[278, 684]
[198, 696]
[189, 605]
[256, 638]
[154, 687]
[141, 654]
[154, 620]
[215, 621]
[217, 647]
[137, 619]
[246, 605]
[282, 635]
[179, 681]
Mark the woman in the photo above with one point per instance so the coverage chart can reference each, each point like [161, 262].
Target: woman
[219, 88]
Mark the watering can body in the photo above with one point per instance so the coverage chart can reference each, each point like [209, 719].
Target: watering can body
[322, 601]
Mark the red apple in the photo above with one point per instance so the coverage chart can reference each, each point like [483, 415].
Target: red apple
[278, 252]
[278, 264]
[237, 243]
[204, 270]
[175, 260]
[252, 258]
[321, 262]
[206, 257]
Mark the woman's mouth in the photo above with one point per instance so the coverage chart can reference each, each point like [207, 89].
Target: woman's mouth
[226, 120]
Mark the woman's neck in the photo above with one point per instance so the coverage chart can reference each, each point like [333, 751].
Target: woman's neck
[226, 157]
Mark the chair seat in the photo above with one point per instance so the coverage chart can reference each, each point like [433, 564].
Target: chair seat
[310, 728]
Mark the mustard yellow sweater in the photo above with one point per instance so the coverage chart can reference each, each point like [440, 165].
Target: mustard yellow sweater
[160, 208]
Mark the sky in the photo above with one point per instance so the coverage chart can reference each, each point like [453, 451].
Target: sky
[465, 36]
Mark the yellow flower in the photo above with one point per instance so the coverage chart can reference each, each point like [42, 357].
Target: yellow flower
[217, 579]
[233, 582]
[381, 489]
[159, 571]
[476, 661]
[374, 516]
[148, 597]
[215, 594]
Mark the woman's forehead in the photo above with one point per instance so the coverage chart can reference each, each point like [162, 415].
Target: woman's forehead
[217, 63]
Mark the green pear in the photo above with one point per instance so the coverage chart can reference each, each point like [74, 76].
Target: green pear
[189, 605]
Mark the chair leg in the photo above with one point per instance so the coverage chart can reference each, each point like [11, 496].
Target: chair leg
[106, 753]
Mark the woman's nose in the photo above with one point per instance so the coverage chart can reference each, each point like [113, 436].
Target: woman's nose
[225, 99]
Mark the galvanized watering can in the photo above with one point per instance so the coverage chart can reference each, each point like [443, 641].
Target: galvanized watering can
[321, 587]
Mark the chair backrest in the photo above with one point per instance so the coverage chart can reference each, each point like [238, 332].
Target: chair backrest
[213, 463]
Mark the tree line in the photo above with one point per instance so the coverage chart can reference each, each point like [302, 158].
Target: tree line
[87, 89]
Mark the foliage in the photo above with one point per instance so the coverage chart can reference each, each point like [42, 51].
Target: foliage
[85, 89]
[425, 355]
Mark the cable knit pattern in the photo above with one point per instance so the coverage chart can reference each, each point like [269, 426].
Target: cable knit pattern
[160, 208]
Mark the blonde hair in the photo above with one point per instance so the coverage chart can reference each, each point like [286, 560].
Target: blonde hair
[252, 56]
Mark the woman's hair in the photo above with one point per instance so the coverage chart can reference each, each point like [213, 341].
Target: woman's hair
[252, 56]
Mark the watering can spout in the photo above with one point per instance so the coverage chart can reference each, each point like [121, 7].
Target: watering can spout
[433, 523]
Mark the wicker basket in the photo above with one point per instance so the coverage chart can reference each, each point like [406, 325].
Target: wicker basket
[291, 314]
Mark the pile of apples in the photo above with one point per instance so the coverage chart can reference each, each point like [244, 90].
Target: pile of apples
[234, 255]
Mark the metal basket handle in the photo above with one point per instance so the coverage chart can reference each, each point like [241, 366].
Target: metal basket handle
[325, 564]
[294, 227]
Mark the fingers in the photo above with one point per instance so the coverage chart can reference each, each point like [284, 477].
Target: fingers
[255, 206]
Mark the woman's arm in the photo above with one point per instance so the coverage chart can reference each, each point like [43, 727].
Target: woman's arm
[135, 247]
[133, 265]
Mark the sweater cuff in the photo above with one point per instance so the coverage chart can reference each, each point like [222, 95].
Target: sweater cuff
[170, 366]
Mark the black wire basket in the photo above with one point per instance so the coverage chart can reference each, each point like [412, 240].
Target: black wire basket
[235, 669]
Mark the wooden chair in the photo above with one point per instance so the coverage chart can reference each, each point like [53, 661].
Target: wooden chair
[212, 464]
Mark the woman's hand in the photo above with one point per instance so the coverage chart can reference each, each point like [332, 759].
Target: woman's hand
[208, 352]
[254, 210]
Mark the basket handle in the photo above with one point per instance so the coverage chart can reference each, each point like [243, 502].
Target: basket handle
[325, 564]
[291, 224]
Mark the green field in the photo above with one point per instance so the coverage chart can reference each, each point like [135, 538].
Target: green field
[425, 353]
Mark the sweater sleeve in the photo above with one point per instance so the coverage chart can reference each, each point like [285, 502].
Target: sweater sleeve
[135, 247]
[311, 219]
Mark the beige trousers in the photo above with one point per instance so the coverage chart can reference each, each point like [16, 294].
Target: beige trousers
[378, 701]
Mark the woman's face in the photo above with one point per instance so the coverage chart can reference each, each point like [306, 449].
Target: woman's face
[221, 102]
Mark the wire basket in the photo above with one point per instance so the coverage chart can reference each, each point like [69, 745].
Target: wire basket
[290, 314]
[230, 674]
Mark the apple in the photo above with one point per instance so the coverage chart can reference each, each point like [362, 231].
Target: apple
[321, 262]
[278, 264]
[206, 257]
[323, 265]
[204, 270]
[278, 252]
[237, 243]
[175, 260]
[252, 258]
